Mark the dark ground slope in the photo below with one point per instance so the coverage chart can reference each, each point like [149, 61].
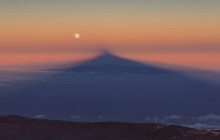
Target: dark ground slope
[19, 128]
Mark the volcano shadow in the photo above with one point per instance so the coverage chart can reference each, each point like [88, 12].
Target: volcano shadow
[111, 88]
[109, 63]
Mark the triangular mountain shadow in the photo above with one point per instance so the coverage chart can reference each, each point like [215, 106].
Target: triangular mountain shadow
[107, 62]
[107, 57]
[90, 92]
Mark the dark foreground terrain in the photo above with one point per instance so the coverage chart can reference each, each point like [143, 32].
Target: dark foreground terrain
[20, 128]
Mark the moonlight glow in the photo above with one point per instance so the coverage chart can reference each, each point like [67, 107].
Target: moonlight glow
[77, 35]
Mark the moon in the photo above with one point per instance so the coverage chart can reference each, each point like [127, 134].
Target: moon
[77, 35]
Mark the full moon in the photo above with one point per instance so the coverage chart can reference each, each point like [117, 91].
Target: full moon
[77, 35]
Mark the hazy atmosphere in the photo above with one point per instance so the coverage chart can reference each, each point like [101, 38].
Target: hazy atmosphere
[109, 69]
[41, 33]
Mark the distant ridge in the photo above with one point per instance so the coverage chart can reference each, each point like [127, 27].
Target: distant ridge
[20, 128]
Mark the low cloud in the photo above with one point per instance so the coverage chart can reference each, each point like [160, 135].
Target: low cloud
[155, 119]
[164, 119]
[203, 126]
[147, 119]
[3, 85]
[40, 116]
[102, 117]
[210, 117]
[206, 122]
[173, 117]
[75, 117]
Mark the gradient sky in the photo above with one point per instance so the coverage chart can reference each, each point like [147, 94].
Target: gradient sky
[177, 32]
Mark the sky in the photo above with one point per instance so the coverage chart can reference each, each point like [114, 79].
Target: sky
[38, 33]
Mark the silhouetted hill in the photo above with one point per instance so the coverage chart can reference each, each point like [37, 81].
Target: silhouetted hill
[20, 128]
